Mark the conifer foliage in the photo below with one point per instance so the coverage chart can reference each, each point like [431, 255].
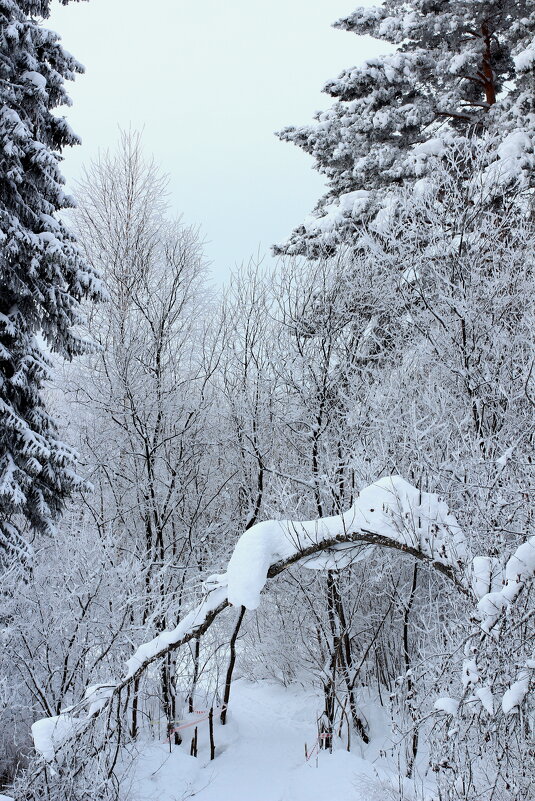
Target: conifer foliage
[459, 68]
[43, 278]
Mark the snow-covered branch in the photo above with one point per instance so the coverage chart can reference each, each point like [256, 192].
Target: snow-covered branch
[518, 570]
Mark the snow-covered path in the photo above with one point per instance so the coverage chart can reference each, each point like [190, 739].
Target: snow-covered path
[259, 756]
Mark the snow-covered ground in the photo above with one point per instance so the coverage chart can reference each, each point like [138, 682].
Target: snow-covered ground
[260, 756]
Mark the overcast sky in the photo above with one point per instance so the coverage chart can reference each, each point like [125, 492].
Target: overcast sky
[210, 81]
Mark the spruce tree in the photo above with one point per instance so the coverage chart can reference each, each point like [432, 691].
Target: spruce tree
[460, 68]
[43, 277]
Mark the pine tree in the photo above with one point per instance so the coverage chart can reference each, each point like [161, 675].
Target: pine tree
[461, 68]
[43, 277]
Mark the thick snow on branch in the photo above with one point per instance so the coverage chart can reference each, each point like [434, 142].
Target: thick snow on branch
[186, 626]
[518, 570]
[391, 508]
[513, 697]
[487, 575]
[49, 734]
[448, 705]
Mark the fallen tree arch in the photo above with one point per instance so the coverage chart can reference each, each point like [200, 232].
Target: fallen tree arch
[364, 537]
[391, 513]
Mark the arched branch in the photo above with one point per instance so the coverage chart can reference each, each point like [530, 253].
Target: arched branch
[371, 538]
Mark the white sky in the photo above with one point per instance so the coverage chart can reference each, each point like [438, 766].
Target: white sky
[210, 81]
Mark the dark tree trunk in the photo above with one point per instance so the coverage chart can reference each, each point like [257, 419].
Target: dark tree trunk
[232, 662]
[410, 683]
[211, 728]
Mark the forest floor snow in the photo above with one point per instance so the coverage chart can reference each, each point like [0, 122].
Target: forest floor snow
[260, 756]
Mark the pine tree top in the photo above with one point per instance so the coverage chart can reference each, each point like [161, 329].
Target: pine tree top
[459, 69]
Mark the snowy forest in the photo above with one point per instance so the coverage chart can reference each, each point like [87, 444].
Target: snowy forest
[275, 542]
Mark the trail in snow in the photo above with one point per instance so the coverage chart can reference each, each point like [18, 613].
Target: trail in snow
[260, 756]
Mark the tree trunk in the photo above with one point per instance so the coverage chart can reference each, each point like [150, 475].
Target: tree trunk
[232, 662]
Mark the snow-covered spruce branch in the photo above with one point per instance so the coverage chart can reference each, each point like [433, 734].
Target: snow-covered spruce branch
[390, 513]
